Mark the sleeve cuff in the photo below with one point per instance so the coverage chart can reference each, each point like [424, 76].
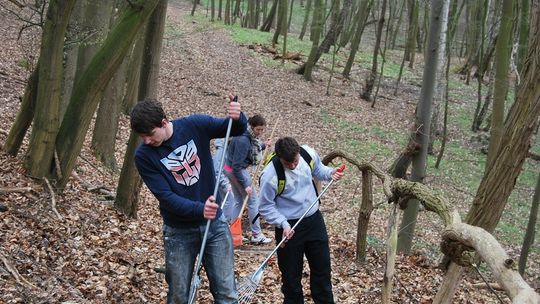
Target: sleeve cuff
[285, 225]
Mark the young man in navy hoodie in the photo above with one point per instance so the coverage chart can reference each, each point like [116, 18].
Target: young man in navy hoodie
[175, 163]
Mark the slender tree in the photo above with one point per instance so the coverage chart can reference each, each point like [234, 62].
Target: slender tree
[423, 121]
[316, 25]
[502, 62]
[528, 239]
[24, 116]
[360, 20]
[306, 19]
[372, 76]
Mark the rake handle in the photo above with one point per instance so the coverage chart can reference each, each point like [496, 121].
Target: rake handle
[284, 240]
[195, 279]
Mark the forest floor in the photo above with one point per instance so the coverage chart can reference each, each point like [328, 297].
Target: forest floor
[90, 253]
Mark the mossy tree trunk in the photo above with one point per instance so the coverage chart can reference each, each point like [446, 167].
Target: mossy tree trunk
[87, 91]
[24, 116]
[48, 100]
[106, 125]
[500, 90]
[129, 184]
[528, 239]
[360, 21]
[316, 25]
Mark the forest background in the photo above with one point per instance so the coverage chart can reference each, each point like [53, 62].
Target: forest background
[93, 236]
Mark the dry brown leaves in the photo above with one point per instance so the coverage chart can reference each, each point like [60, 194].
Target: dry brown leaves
[93, 254]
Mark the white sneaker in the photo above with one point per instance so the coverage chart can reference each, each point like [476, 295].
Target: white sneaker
[260, 239]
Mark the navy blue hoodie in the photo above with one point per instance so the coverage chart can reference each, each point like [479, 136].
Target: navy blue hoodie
[180, 172]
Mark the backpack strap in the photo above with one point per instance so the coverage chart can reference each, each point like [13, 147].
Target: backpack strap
[307, 157]
[280, 172]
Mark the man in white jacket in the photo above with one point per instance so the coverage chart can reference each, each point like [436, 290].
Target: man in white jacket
[283, 207]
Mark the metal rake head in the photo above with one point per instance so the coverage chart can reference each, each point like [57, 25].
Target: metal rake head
[247, 287]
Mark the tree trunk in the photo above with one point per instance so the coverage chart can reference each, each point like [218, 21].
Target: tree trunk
[88, 88]
[129, 183]
[528, 239]
[410, 48]
[106, 125]
[423, 122]
[71, 51]
[367, 93]
[133, 74]
[48, 100]
[523, 33]
[500, 90]
[438, 100]
[24, 116]
[360, 20]
[366, 208]
[316, 25]
[306, 19]
[281, 24]
[331, 35]
[267, 24]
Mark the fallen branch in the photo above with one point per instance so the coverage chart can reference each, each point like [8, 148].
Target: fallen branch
[482, 285]
[504, 269]
[53, 200]
[92, 165]
[4, 190]
[20, 279]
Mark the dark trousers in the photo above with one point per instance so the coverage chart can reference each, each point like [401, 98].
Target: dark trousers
[310, 238]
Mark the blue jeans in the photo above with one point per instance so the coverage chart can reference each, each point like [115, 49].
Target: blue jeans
[182, 245]
[232, 211]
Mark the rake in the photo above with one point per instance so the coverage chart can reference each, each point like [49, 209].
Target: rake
[196, 279]
[248, 285]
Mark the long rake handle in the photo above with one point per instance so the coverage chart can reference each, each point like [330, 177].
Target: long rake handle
[198, 265]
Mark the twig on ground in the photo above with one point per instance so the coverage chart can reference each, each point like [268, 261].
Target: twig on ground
[53, 200]
[20, 279]
[57, 165]
[93, 166]
[15, 189]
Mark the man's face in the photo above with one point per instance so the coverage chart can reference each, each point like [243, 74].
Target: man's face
[157, 136]
[258, 130]
[292, 164]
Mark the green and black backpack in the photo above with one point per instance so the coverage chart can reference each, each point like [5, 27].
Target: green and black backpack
[280, 171]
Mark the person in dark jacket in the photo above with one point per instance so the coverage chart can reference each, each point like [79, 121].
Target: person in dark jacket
[175, 163]
[246, 151]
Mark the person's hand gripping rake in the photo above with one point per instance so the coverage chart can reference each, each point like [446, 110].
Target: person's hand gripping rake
[248, 285]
